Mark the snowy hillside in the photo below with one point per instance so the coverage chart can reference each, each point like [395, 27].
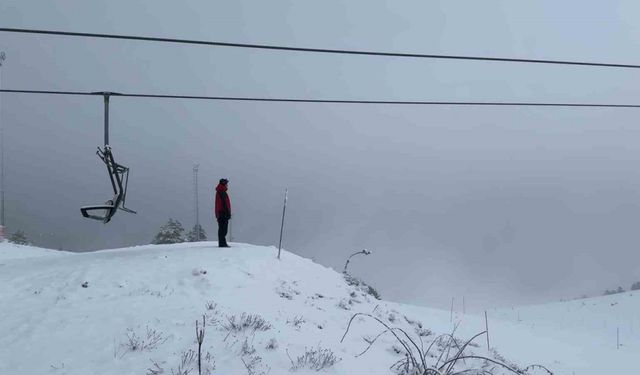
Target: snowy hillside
[10, 251]
[601, 333]
[133, 311]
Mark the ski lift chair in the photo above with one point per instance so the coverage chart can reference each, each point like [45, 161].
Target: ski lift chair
[118, 174]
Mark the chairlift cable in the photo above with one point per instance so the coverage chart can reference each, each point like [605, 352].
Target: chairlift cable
[329, 101]
[318, 50]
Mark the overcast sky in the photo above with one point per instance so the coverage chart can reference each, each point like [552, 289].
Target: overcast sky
[500, 205]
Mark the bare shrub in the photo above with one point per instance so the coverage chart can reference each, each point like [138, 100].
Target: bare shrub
[189, 362]
[314, 359]
[213, 313]
[246, 348]
[413, 322]
[392, 317]
[251, 360]
[343, 304]
[272, 344]
[155, 369]
[452, 351]
[286, 290]
[254, 366]
[211, 305]
[244, 322]
[361, 285]
[150, 341]
[423, 332]
[296, 322]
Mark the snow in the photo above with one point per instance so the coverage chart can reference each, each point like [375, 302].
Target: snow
[51, 324]
[10, 251]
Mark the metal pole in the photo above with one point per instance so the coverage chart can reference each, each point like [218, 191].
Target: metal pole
[3, 57]
[195, 201]
[106, 119]
[284, 209]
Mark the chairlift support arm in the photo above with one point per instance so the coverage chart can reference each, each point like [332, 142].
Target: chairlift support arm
[117, 174]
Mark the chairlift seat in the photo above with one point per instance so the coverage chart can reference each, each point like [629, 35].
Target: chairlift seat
[119, 176]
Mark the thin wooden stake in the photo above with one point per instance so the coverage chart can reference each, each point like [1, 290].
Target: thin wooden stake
[451, 317]
[486, 326]
[284, 209]
[464, 310]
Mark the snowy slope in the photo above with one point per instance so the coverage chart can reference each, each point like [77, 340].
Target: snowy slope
[51, 324]
[9, 251]
[588, 329]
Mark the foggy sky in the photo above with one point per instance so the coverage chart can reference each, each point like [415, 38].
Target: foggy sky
[500, 205]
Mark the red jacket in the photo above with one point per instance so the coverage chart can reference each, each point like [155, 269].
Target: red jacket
[223, 204]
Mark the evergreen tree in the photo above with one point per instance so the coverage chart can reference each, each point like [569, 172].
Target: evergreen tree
[192, 236]
[635, 286]
[171, 232]
[620, 290]
[19, 238]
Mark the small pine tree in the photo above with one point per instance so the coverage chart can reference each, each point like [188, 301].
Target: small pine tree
[609, 292]
[19, 238]
[635, 286]
[192, 236]
[620, 290]
[171, 232]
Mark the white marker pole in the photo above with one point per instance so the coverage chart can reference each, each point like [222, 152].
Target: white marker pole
[284, 209]
[451, 316]
[486, 325]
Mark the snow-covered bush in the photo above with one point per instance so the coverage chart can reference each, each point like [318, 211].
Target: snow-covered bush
[247, 348]
[296, 322]
[189, 364]
[171, 232]
[344, 304]
[450, 354]
[135, 343]
[211, 306]
[314, 359]
[155, 369]
[213, 314]
[272, 344]
[251, 322]
[286, 290]
[361, 285]
[19, 238]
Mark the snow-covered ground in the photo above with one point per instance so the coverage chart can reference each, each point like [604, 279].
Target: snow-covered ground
[9, 251]
[133, 311]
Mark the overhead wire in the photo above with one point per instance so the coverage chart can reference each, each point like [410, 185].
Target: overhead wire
[317, 50]
[328, 101]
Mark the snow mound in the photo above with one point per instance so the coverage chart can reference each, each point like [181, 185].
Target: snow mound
[134, 311]
[11, 251]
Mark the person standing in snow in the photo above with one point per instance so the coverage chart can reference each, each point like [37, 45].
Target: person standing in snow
[223, 211]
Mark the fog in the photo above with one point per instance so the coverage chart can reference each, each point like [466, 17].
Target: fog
[500, 205]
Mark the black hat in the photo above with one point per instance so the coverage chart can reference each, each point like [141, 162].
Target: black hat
[224, 181]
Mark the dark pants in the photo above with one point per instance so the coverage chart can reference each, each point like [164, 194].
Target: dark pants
[223, 227]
